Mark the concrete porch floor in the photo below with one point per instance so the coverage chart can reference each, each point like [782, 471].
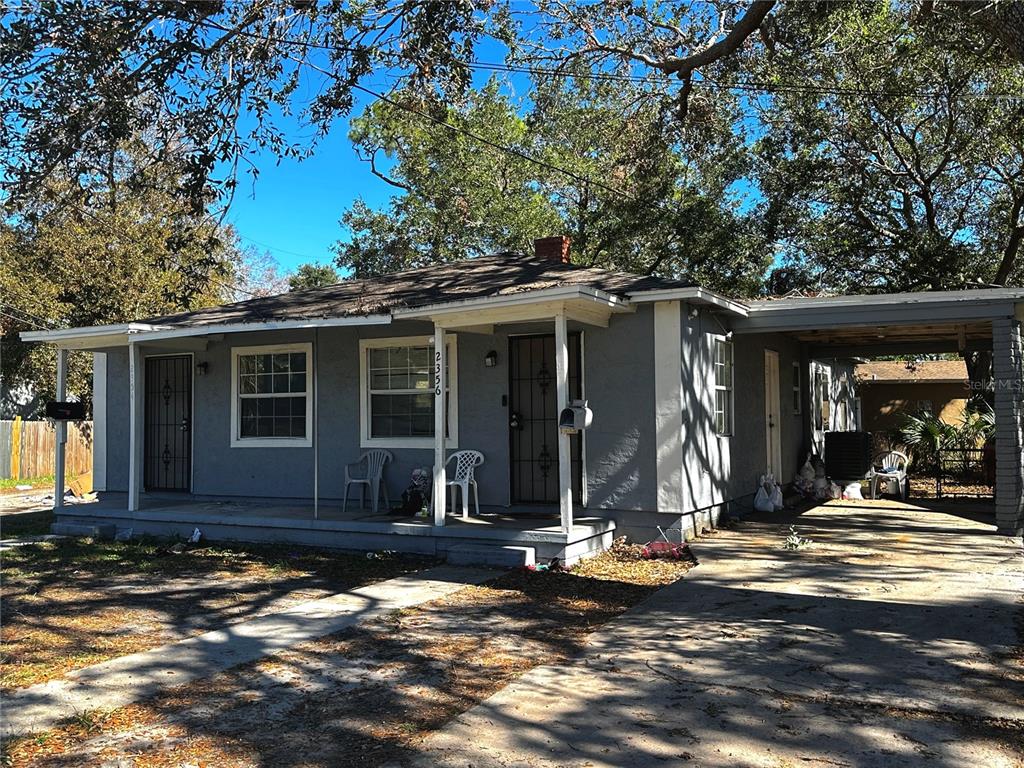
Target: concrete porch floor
[359, 529]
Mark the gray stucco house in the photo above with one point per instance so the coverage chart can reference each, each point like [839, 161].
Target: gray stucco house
[240, 419]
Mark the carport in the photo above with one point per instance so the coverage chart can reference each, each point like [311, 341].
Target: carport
[986, 319]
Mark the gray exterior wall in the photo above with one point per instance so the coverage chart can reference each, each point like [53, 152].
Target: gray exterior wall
[719, 468]
[620, 463]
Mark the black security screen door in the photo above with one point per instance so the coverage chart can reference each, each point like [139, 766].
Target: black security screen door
[533, 419]
[168, 440]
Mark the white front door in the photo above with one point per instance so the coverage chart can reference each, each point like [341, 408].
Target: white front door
[772, 414]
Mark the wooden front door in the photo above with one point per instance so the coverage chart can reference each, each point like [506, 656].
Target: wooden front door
[168, 432]
[533, 419]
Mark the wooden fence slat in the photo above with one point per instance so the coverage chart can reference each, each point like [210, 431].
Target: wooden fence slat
[31, 453]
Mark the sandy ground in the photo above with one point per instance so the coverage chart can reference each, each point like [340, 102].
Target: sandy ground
[891, 639]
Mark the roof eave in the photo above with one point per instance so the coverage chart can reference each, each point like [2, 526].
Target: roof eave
[693, 295]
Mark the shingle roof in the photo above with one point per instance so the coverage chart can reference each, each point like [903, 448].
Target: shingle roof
[924, 371]
[477, 278]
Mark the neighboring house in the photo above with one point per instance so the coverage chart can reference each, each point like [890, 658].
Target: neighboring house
[240, 419]
[890, 390]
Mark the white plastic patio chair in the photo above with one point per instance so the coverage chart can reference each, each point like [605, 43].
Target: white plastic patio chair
[893, 469]
[465, 463]
[372, 478]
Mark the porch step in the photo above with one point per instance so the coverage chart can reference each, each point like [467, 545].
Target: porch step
[79, 530]
[484, 554]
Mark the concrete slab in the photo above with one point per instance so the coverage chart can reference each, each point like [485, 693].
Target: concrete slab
[127, 679]
[889, 641]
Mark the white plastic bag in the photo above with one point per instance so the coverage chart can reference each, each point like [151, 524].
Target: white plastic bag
[807, 470]
[852, 491]
[762, 499]
[776, 498]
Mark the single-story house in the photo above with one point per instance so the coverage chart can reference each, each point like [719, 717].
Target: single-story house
[240, 419]
[889, 390]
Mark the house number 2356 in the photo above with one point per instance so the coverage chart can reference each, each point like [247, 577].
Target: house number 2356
[437, 373]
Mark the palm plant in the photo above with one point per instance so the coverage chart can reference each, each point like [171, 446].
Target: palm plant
[927, 435]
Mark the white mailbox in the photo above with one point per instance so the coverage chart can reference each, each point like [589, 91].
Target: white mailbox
[574, 417]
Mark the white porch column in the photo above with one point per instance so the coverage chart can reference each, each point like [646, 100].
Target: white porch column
[99, 421]
[440, 422]
[61, 428]
[1007, 370]
[564, 446]
[135, 416]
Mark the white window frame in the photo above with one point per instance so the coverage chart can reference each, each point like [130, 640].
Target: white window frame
[716, 387]
[365, 345]
[271, 442]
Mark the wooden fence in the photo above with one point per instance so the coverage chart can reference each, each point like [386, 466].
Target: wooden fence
[27, 448]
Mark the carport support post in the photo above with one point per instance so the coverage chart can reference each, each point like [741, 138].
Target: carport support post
[135, 409]
[564, 446]
[61, 428]
[1007, 372]
[440, 423]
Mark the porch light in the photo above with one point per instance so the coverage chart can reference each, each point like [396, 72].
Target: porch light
[202, 368]
[491, 359]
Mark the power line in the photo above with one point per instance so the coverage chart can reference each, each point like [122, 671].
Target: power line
[26, 322]
[26, 313]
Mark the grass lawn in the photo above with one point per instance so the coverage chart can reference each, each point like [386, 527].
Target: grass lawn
[71, 603]
[368, 695]
[10, 484]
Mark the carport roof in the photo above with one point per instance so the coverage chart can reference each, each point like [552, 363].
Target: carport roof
[845, 326]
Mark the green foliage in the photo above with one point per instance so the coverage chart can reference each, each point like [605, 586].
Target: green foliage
[926, 434]
[110, 253]
[909, 174]
[312, 276]
[613, 172]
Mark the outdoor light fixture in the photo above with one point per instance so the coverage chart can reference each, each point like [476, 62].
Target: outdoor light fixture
[491, 359]
[202, 368]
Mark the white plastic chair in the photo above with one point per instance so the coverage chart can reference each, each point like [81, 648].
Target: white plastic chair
[893, 468]
[465, 463]
[372, 479]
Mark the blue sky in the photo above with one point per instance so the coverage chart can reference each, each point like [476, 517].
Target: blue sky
[293, 208]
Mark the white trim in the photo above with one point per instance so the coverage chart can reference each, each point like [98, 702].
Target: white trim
[715, 387]
[693, 295]
[562, 401]
[270, 325]
[522, 298]
[796, 388]
[584, 497]
[99, 421]
[68, 334]
[61, 429]
[272, 442]
[136, 411]
[365, 441]
[438, 496]
[668, 405]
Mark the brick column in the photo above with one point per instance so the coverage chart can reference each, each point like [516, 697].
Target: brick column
[1009, 405]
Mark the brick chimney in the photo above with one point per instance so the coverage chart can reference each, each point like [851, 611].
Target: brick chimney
[552, 248]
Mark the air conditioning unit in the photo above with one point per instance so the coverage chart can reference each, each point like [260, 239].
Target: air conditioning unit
[848, 455]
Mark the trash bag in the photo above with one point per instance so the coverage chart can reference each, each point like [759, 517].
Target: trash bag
[763, 499]
[852, 491]
[807, 470]
[776, 498]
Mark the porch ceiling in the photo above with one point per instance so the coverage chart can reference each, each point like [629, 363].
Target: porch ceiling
[876, 339]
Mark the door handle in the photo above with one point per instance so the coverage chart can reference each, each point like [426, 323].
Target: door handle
[184, 424]
[515, 421]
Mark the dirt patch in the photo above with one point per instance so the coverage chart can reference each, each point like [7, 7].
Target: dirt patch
[69, 604]
[368, 695]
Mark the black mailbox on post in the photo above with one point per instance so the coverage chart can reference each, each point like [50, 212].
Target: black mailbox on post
[65, 411]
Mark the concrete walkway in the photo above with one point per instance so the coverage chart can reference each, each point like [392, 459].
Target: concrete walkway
[124, 680]
[888, 642]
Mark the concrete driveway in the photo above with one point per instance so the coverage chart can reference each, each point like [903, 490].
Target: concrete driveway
[892, 640]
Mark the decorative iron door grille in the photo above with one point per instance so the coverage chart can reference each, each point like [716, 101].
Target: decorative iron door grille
[533, 416]
[168, 433]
